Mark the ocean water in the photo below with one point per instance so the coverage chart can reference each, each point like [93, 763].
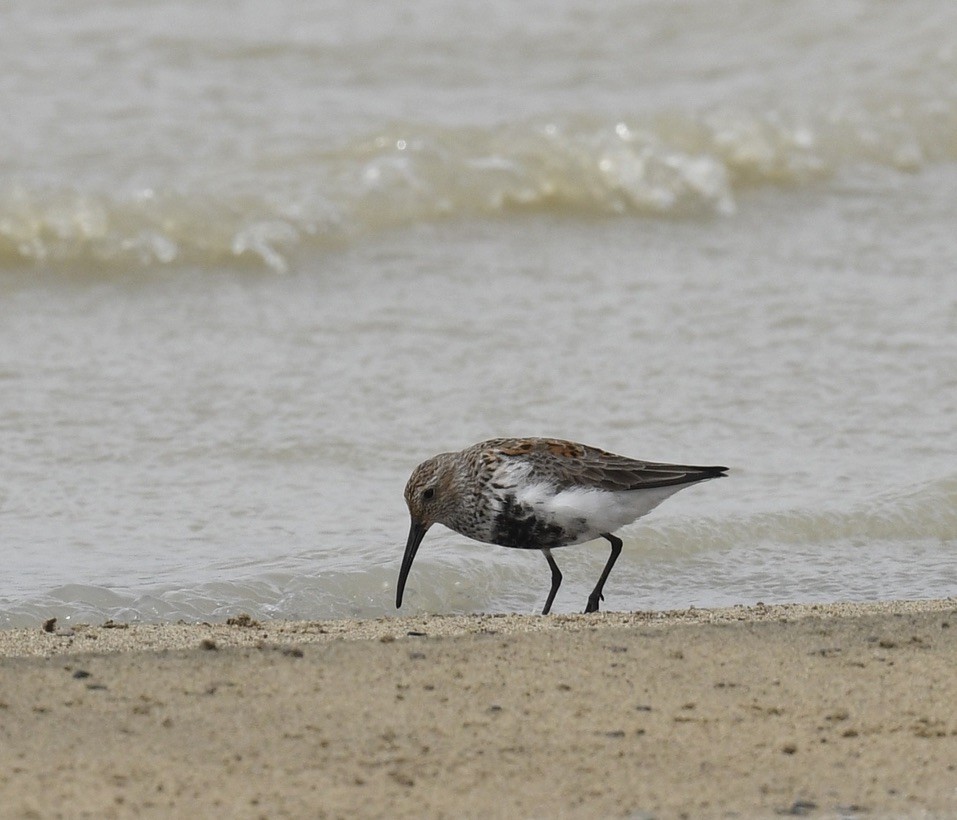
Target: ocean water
[257, 262]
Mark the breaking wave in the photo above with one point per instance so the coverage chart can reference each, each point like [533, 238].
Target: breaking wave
[672, 165]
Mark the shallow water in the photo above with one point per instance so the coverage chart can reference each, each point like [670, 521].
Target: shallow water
[253, 270]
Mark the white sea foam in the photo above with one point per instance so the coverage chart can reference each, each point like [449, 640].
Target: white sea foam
[270, 143]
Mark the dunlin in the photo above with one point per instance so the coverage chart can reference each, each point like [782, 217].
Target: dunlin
[538, 493]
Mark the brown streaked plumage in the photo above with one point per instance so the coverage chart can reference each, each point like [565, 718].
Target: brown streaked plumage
[538, 493]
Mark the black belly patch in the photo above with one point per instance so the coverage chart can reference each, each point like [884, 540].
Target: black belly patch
[517, 526]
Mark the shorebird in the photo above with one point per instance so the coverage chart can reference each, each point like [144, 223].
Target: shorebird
[538, 493]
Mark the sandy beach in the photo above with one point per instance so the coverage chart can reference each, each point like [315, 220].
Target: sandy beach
[839, 710]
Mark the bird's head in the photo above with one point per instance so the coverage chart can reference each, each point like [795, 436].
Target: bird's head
[431, 498]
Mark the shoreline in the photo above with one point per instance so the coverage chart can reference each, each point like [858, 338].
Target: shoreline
[62, 638]
[815, 710]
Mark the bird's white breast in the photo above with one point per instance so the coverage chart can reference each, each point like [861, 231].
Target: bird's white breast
[583, 513]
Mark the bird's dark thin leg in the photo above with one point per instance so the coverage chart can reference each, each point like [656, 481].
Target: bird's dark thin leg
[556, 580]
[596, 595]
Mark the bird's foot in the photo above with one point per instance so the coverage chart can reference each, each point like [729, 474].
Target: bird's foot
[593, 600]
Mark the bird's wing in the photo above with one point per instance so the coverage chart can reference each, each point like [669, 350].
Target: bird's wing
[566, 463]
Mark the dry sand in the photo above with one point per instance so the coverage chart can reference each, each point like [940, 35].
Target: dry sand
[843, 710]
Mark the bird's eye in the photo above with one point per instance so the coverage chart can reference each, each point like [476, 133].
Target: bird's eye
[428, 494]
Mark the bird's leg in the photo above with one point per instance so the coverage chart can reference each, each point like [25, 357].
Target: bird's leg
[556, 580]
[596, 595]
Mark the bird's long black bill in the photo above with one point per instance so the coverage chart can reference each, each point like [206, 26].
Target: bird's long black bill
[416, 534]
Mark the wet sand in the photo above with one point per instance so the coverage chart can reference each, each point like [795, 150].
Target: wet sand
[838, 710]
